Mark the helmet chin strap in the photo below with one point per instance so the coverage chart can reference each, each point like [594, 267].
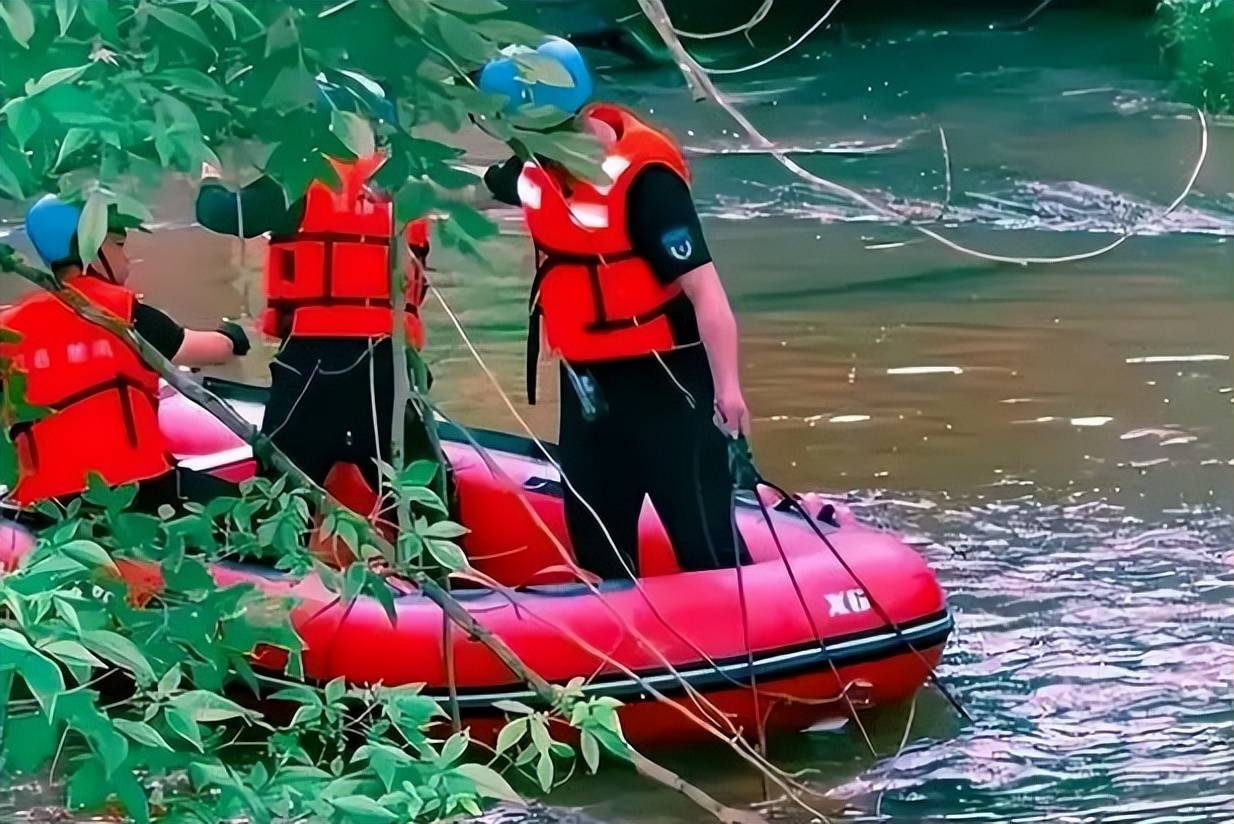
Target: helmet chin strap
[111, 275]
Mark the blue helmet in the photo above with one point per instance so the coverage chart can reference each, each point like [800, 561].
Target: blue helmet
[51, 225]
[501, 76]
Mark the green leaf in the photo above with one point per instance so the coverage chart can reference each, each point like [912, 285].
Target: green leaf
[205, 706]
[181, 23]
[98, 13]
[55, 77]
[509, 31]
[447, 530]
[463, 40]
[591, 751]
[474, 224]
[68, 651]
[415, 13]
[120, 651]
[454, 748]
[335, 690]
[181, 722]
[20, 21]
[23, 118]
[355, 132]
[132, 795]
[544, 771]
[88, 785]
[451, 177]
[239, 9]
[75, 139]
[448, 555]
[379, 590]
[29, 743]
[282, 33]
[489, 783]
[80, 710]
[89, 554]
[193, 82]
[540, 739]
[511, 734]
[293, 88]
[513, 707]
[414, 200]
[10, 184]
[470, 6]
[426, 498]
[360, 809]
[353, 581]
[142, 733]
[41, 675]
[92, 228]
[66, 10]
[170, 682]
[539, 68]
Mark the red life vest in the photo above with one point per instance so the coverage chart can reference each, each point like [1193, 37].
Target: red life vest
[103, 398]
[331, 279]
[598, 298]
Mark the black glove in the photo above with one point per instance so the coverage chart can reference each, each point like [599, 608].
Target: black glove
[235, 333]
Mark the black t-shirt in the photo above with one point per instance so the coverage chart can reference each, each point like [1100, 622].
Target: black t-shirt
[264, 208]
[662, 222]
[159, 330]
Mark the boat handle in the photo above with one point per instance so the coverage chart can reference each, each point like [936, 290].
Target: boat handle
[544, 486]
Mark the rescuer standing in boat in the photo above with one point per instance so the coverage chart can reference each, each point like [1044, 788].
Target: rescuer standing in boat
[327, 284]
[103, 399]
[628, 296]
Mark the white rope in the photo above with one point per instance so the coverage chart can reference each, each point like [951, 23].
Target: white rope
[744, 27]
[781, 52]
[700, 83]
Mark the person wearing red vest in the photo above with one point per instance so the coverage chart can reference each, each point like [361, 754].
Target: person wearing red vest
[102, 398]
[625, 292]
[327, 289]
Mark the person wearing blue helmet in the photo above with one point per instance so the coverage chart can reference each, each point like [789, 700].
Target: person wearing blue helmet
[328, 304]
[626, 293]
[103, 399]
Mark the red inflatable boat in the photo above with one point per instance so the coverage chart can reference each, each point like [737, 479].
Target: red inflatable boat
[812, 630]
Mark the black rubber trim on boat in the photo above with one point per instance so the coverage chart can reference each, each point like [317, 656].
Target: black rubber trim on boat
[881, 642]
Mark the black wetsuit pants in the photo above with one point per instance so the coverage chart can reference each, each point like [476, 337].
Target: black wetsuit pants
[645, 438]
[330, 402]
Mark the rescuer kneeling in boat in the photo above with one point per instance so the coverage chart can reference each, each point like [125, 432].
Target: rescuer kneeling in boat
[327, 284]
[629, 298]
[102, 398]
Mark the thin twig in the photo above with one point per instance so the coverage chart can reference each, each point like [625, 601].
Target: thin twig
[546, 693]
[774, 57]
[272, 456]
[744, 28]
[701, 87]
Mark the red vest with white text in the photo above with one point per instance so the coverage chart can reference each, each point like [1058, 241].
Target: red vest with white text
[103, 399]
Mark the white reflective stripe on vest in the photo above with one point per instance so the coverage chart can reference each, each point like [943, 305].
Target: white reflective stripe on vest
[614, 165]
[528, 193]
[589, 215]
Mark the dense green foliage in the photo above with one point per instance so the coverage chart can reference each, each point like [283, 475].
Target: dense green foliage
[1198, 45]
[140, 690]
[111, 590]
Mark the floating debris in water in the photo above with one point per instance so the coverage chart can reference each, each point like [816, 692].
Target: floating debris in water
[925, 370]
[848, 419]
[1093, 420]
[1177, 358]
[1135, 434]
